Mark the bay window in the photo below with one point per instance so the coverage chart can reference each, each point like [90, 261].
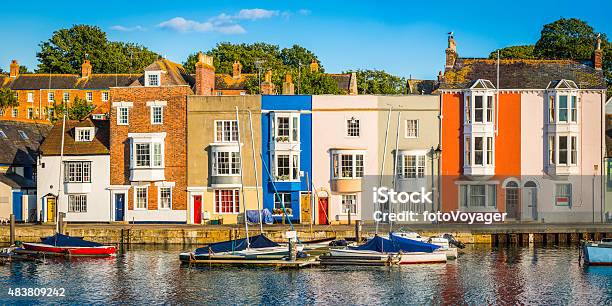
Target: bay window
[563, 150]
[479, 108]
[563, 107]
[226, 163]
[347, 165]
[287, 166]
[148, 155]
[479, 151]
[286, 127]
[411, 166]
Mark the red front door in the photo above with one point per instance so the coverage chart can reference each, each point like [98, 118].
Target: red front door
[322, 211]
[197, 209]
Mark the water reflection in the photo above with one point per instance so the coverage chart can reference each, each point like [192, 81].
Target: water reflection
[483, 275]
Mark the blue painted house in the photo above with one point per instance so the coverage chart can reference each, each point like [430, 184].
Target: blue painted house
[286, 124]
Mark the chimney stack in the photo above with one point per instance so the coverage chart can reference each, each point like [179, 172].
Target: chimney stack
[267, 87]
[237, 69]
[14, 72]
[353, 90]
[86, 69]
[205, 75]
[598, 54]
[288, 87]
[451, 52]
[314, 65]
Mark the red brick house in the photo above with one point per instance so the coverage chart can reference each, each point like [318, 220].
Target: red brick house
[148, 136]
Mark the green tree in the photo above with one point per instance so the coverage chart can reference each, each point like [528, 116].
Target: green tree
[7, 99]
[79, 109]
[379, 82]
[298, 55]
[65, 51]
[23, 69]
[566, 39]
[516, 52]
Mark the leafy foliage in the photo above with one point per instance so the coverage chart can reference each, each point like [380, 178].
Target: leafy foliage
[379, 82]
[77, 110]
[7, 98]
[65, 51]
[524, 52]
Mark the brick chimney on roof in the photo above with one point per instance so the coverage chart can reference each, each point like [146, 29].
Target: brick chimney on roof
[598, 54]
[314, 65]
[205, 75]
[451, 52]
[267, 87]
[86, 69]
[236, 69]
[14, 71]
[288, 86]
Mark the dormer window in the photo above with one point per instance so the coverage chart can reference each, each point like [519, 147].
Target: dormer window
[478, 106]
[84, 134]
[152, 78]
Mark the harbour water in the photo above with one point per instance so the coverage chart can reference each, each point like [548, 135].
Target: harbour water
[482, 275]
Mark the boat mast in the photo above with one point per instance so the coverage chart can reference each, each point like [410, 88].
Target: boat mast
[394, 179]
[256, 178]
[382, 168]
[59, 179]
[246, 221]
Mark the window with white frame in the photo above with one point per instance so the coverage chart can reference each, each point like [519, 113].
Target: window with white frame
[77, 203]
[152, 78]
[3, 135]
[84, 134]
[15, 112]
[562, 108]
[411, 166]
[165, 197]
[148, 154]
[123, 115]
[226, 131]
[50, 96]
[478, 196]
[77, 172]
[141, 195]
[286, 127]
[227, 201]
[478, 151]
[226, 163]
[157, 114]
[347, 165]
[286, 166]
[105, 96]
[285, 197]
[479, 108]
[349, 203]
[23, 135]
[563, 194]
[352, 127]
[563, 150]
[412, 128]
[89, 96]
[30, 96]
[66, 97]
[30, 113]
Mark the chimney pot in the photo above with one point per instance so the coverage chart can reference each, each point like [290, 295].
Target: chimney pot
[14, 70]
[288, 87]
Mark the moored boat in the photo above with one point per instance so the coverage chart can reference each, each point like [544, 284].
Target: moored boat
[598, 253]
[444, 242]
[66, 245]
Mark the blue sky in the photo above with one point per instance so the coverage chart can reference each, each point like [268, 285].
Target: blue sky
[401, 37]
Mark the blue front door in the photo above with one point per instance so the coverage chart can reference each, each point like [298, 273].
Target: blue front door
[119, 206]
[17, 205]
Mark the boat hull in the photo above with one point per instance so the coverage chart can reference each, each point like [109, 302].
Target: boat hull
[596, 254]
[397, 258]
[253, 254]
[74, 251]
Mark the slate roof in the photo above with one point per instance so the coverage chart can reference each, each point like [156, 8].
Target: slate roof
[343, 80]
[522, 74]
[14, 150]
[16, 181]
[105, 81]
[43, 81]
[424, 87]
[98, 146]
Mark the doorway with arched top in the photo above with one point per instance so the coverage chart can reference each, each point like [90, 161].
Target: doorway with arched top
[530, 201]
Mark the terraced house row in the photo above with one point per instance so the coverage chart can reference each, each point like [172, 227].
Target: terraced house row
[523, 137]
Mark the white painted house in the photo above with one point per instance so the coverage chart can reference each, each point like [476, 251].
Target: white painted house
[81, 177]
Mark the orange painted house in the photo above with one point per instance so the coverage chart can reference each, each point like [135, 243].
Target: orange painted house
[520, 137]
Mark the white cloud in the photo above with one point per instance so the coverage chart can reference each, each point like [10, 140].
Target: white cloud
[254, 14]
[222, 23]
[127, 29]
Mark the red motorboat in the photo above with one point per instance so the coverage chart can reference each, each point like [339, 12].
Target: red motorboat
[67, 245]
